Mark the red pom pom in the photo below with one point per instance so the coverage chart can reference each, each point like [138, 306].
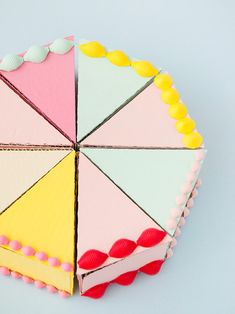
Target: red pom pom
[126, 279]
[96, 292]
[152, 268]
[122, 248]
[151, 237]
[92, 259]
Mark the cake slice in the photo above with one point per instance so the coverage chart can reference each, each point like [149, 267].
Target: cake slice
[45, 78]
[111, 227]
[23, 126]
[146, 121]
[38, 231]
[103, 87]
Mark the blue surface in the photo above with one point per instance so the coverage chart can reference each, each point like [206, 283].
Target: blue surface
[194, 40]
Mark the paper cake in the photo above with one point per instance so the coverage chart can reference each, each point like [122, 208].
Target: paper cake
[94, 186]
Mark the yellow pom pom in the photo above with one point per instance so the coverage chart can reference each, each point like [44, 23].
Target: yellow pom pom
[185, 126]
[178, 111]
[118, 58]
[192, 140]
[93, 49]
[163, 81]
[144, 68]
[170, 96]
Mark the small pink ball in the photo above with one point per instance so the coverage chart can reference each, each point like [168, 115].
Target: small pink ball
[15, 275]
[28, 250]
[51, 289]
[173, 242]
[180, 200]
[176, 212]
[194, 193]
[53, 261]
[67, 267]
[177, 232]
[186, 212]
[190, 203]
[182, 222]
[171, 224]
[198, 183]
[41, 256]
[39, 284]
[15, 245]
[27, 279]
[5, 271]
[64, 294]
[169, 253]
[196, 166]
[186, 188]
[191, 177]
[3, 240]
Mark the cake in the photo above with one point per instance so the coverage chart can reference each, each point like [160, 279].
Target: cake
[96, 181]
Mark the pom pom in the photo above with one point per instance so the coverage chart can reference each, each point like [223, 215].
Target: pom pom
[151, 237]
[92, 259]
[152, 268]
[126, 279]
[96, 292]
[122, 248]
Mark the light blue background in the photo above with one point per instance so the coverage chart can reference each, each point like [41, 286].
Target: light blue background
[194, 40]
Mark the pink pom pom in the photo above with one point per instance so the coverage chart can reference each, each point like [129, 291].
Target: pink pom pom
[53, 261]
[186, 188]
[194, 193]
[27, 279]
[67, 267]
[186, 212]
[51, 289]
[5, 271]
[173, 242]
[3, 240]
[177, 232]
[64, 294]
[180, 200]
[176, 212]
[15, 245]
[41, 256]
[198, 183]
[171, 224]
[15, 275]
[182, 222]
[28, 250]
[190, 203]
[169, 253]
[191, 177]
[39, 284]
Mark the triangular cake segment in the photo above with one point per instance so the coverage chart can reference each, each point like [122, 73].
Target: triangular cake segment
[102, 89]
[144, 122]
[20, 169]
[43, 220]
[22, 125]
[50, 88]
[105, 217]
[159, 181]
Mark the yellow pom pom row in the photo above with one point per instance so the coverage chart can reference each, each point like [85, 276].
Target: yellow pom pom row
[178, 111]
[170, 96]
[192, 140]
[185, 125]
[118, 58]
[144, 68]
[93, 49]
[163, 81]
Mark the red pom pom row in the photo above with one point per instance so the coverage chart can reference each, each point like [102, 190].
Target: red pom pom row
[125, 279]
